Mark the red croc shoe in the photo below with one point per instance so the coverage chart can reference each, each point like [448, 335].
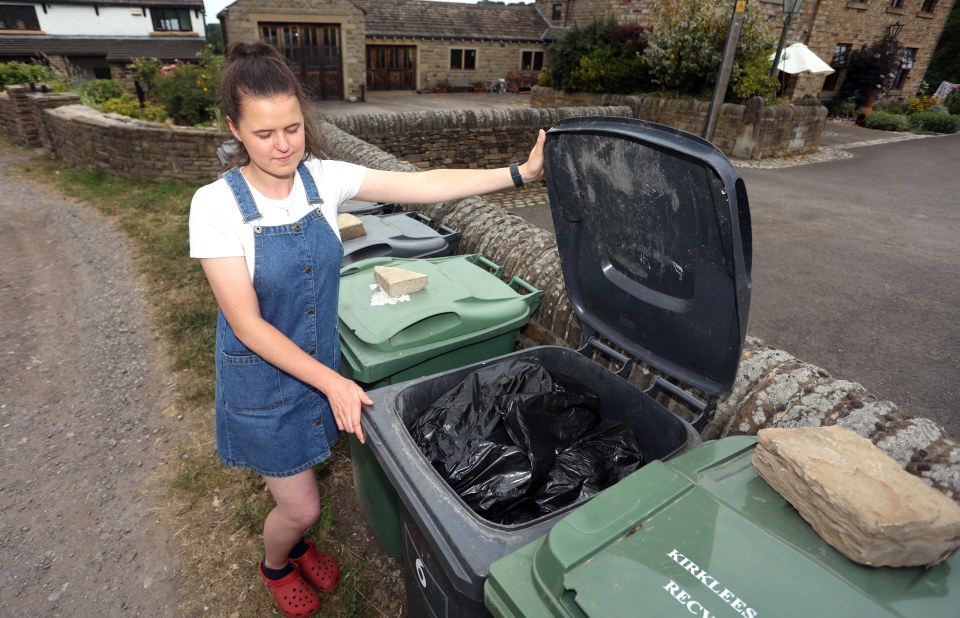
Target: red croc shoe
[295, 597]
[318, 568]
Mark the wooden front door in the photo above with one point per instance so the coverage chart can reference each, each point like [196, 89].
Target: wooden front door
[391, 67]
[315, 54]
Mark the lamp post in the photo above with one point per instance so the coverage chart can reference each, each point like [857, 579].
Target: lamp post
[790, 8]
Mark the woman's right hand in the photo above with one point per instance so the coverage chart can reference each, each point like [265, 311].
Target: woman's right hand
[346, 400]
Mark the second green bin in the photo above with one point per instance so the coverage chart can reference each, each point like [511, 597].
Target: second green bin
[466, 314]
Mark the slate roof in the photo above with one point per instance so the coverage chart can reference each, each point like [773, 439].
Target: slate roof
[115, 49]
[454, 20]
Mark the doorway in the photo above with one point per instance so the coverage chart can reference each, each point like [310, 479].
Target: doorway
[315, 54]
[391, 67]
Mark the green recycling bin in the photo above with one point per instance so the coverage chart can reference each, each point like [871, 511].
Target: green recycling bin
[703, 535]
[466, 314]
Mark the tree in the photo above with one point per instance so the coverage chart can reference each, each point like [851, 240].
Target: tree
[602, 56]
[686, 49]
[871, 70]
[215, 38]
[945, 63]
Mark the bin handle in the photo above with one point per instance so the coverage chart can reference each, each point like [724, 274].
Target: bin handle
[533, 295]
[626, 362]
[422, 218]
[493, 267]
[705, 411]
[447, 231]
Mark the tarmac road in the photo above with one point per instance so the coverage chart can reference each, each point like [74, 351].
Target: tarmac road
[856, 269]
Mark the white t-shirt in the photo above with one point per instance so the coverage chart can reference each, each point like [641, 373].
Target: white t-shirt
[216, 224]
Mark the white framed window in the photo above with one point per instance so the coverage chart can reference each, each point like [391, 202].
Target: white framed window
[171, 20]
[18, 17]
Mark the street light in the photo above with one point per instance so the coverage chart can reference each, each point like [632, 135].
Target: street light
[790, 8]
[893, 30]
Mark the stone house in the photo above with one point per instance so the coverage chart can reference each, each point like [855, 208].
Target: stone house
[102, 37]
[832, 29]
[343, 47]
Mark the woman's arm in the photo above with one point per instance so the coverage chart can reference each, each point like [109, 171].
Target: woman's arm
[237, 299]
[443, 185]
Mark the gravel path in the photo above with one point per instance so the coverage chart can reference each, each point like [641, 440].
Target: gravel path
[84, 416]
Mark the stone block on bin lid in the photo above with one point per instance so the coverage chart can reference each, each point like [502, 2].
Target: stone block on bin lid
[350, 226]
[857, 498]
[398, 281]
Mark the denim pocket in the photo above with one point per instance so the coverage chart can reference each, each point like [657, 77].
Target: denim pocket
[250, 384]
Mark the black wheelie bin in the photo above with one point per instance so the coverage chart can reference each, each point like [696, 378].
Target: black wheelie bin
[653, 231]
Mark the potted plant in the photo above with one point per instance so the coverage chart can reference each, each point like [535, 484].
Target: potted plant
[441, 86]
[478, 87]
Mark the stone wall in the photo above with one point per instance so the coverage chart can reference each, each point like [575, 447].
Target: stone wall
[749, 131]
[85, 138]
[465, 138]
[772, 388]
[21, 110]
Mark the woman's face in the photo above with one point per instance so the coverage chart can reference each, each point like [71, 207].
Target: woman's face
[272, 132]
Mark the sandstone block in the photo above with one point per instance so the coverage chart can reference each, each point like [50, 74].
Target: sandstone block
[398, 281]
[857, 498]
[350, 226]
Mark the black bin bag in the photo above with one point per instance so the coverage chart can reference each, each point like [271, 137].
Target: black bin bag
[516, 442]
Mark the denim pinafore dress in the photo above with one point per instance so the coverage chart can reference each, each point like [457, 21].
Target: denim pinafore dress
[266, 419]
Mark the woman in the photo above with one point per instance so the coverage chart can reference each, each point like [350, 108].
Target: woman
[266, 237]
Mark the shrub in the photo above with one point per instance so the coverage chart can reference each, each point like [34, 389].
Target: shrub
[22, 73]
[189, 91]
[127, 105]
[146, 69]
[686, 50]
[845, 109]
[938, 109]
[915, 105]
[885, 121]
[602, 56]
[935, 123]
[952, 102]
[96, 91]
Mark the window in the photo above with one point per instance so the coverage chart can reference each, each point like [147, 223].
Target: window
[841, 56]
[465, 59]
[171, 20]
[906, 63]
[896, 4]
[928, 6]
[557, 12]
[531, 61]
[18, 17]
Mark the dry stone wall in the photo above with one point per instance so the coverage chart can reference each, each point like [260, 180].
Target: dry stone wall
[750, 131]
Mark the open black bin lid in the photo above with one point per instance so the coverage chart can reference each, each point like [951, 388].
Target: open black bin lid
[653, 229]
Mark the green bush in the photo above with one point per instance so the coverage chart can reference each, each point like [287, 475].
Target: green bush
[935, 123]
[96, 91]
[189, 91]
[127, 105]
[22, 73]
[952, 102]
[885, 121]
[602, 56]
[686, 50]
[939, 109]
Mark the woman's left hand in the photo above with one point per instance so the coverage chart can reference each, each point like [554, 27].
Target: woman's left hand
[532, 169]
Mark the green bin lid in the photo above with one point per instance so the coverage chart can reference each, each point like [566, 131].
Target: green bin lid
[703, 535]
[462, 303]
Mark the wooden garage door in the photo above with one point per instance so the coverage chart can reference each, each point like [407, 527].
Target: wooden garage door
[314, 52]
[391, 67]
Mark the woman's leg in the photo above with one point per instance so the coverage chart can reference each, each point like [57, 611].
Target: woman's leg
[298, 508]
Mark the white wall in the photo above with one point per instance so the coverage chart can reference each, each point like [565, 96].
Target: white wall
[72, 20]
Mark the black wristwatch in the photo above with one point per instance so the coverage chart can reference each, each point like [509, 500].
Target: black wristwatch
[515, 174]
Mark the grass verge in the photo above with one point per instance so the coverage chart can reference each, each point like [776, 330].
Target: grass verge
[215, 512]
